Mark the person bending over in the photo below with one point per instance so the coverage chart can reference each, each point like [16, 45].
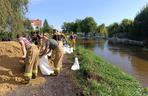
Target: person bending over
[30, 56]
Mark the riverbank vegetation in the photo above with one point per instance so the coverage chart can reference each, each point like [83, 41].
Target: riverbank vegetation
[96, 77]
[134, 29]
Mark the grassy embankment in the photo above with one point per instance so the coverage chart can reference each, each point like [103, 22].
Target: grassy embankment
[96, 77]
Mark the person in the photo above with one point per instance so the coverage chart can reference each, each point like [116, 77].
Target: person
[36, 38]
[30, 56]
[59, 37]
[64, 39]
[57, 52]
[72, 40]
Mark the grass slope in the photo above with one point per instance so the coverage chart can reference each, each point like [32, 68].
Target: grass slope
[96, 77]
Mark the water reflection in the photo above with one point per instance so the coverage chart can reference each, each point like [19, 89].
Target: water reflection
[87, 44]
[130, 59]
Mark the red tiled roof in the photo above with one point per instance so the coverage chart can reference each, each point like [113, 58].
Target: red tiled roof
[36, 22]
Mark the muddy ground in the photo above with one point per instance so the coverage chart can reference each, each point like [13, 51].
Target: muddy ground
[11, 75]
[61, 85]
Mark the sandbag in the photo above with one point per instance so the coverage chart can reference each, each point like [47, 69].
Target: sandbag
[68, 49]
[44, 66]
[76, 65]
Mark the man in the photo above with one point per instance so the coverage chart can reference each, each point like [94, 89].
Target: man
[36, 38]
[59, 37]
[31, 56]
[57, 52]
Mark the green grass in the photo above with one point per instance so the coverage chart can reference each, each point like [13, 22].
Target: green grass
[96, 77]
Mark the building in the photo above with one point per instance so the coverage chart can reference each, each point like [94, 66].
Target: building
[36, 24]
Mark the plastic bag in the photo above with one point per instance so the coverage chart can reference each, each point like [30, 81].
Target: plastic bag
[44, 66]
[76, 65]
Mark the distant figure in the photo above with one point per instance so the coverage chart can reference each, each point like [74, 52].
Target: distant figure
[64, 39]
[72, 40]
[36, 38]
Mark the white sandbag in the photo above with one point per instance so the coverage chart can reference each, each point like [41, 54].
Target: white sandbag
[44, 66]
[71, 49]
[76, 65]
[68, 49]
[65, 50]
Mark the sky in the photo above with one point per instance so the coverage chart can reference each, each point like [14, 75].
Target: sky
[103, 11]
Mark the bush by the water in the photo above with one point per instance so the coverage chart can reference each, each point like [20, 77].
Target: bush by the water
[99, 78]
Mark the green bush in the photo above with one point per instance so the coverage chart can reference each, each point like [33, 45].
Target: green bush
[5, 35]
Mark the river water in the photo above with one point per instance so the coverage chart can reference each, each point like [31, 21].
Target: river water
[132, 60]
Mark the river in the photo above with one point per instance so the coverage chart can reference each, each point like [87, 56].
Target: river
[132, 60]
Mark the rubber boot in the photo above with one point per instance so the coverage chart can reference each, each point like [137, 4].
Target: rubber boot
[34, 76]
[26, 80]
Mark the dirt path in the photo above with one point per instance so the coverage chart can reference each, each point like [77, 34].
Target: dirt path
[61, 85]
[11, 72]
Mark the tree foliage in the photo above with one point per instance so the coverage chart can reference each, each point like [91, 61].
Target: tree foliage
[124, 28]
[125, 25]
[77, 25]
[69, 26]
[136, 29]
[27, 25]
[112, 29]
[12, 13]
[86, 25]
[141, 25]
[46, 27]
[102, 30]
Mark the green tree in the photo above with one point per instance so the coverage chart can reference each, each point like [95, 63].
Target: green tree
[46, 27]
[124, 28]
[12, 14]
[112, 29]
[27, 25]
[68, 27]
[141, 25]
[102, 30]
[88, 25]
[125, 25]
[65, 27]
[77, 26]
